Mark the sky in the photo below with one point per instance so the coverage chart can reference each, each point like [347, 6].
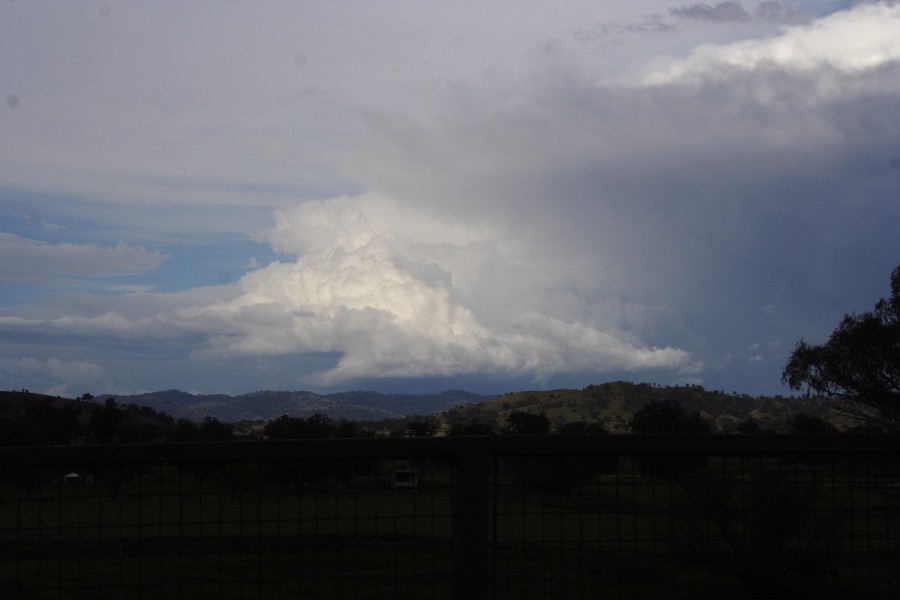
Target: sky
[413, 196]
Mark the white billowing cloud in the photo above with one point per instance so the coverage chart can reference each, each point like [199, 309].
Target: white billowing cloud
[351, 222]
[377, 283]
[30, 260]
[848, 41]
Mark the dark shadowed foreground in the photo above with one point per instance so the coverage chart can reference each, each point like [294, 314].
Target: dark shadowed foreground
[740, 516]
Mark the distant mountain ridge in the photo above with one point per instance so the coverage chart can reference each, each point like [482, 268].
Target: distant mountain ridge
[611, 404]
[267, 404]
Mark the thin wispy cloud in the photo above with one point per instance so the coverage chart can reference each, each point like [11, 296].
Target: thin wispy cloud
[734, 12]
[27, 260]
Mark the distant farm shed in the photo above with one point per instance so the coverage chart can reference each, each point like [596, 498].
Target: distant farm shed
[404, 478]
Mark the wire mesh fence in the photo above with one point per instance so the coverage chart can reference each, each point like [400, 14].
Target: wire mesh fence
[700, 517]
[506, 517]
[197, 526]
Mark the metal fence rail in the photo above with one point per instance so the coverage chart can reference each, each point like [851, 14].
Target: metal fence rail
[615, 516]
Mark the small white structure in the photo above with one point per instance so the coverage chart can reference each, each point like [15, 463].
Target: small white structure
[72, 479]
[404, 478]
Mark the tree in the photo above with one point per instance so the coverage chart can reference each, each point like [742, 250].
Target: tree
[345, 428]
[804, 423]
[184, 431]
[520, 422]
[46, 422]
[473, 426]
[421, 426]
[286, 427]
[579, 427]
[757, 524]
[213, 430]
[748, 425]
[667, 416]
[859, 365]
[105, 422]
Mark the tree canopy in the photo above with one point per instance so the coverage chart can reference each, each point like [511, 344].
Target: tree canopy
[859, 364]
[520, 422]
[667, 416]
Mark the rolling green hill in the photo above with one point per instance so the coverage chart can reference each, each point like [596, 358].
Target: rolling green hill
[614, 404]
[27, 418]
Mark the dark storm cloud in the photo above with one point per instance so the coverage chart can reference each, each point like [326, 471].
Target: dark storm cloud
[734, 12]
[650, 24]
[776, 13]
[746, 192]
[727, 12]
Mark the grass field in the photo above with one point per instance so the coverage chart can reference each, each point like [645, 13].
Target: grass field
[759, 528]
[226, 537]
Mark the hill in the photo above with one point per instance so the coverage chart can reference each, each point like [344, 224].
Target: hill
[173, 414]
[265, 405]
[614, 404]
[38, 419]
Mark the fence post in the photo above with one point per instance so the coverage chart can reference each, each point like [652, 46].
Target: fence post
[472, 526]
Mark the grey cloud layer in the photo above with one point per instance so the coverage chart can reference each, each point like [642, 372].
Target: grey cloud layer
[29, 260]
[768, 13]
[734, 12]
[745, 176]
[694, 214]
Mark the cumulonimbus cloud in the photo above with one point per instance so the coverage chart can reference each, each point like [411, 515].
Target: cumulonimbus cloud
[704, 172]
[376, 282]
[402, 285]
